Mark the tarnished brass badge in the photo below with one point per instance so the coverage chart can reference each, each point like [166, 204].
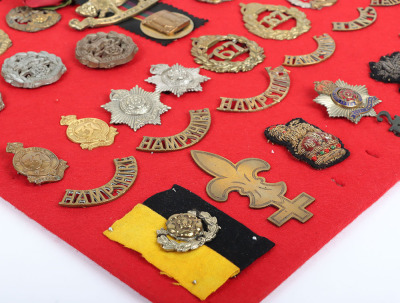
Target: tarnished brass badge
[220, 59]
[89, 132]
[266, 27]
[176, 79]
[326, 48]
[124, 177]
[242, 177]
[5, 42]
[105, 50]
[32, 70]
[166, 25]
[343, 100]
[200, 121]
[366, 18]
[135, 107]
[187, 228]
[277, 90]
[314, 4]
[1, 103]
[308, 143]
[95, 12]
[39, 164]
[26, 19]
[384, 2]
[395, 123]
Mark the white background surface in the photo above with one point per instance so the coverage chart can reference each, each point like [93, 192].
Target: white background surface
[361, 264]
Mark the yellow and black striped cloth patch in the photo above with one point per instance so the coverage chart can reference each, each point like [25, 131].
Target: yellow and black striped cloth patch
[234, 248]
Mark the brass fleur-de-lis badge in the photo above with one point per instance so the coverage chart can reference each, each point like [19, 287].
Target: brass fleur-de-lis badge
[242, 177]
[89, 132]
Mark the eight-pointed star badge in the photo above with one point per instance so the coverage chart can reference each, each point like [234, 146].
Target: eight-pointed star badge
[176, 79]
[135, 107]
[345, 100]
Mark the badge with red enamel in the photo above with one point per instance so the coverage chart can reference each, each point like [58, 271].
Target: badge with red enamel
[308, 143]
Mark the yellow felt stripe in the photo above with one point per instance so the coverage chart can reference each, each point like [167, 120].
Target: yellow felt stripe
[210, 270]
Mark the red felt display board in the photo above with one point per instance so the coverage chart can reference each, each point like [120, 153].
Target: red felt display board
[341, 192]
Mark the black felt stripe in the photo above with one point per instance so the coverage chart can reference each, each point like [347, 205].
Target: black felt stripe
[133, 25]
[234, 241]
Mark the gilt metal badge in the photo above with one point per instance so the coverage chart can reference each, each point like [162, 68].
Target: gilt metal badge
[39, 164]
[308, 143]
[105, 50]
[242, 177]
[187, 228]
[26, 19]
[344, 100]
[220, 59]
[106, 12]
[32, 70]
[176, 79]
[314, 4]
[267, 26]
[387, 69]
[89, 132]
[167, 25]
[135, 107]
[5, 42]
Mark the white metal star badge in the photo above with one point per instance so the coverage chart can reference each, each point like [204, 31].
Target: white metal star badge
[344, 100]
[135, 107]
[176, 79]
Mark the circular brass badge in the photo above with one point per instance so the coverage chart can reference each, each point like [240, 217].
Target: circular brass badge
[266, 27]
[39, 164]
[105, 50]
[220, 59]
[26, 19]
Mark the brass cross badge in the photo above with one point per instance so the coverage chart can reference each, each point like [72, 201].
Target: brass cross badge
[266, 27]
[39, 164]
[89, 132]
[242, 177]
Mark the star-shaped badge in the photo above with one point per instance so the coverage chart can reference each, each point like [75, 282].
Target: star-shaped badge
[176, 79]
[345, 100]
[135, 107]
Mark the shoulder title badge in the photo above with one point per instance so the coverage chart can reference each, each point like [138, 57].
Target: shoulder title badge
[242, 177]
[384, 2]
[308, 143]
[326, 48]
[26, 19]
[105, 50]
[187, 228]
[277, 90]
[366, 18]
[233, 47]
[89, 132]
[344, 100]
[39, 164]
[135, 107]
[266, 27]
[200, 121]
[176, 79]
[123, 179]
